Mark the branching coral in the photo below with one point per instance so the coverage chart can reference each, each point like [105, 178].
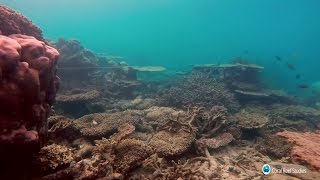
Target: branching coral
[193, 168]
[172, 143]
[207, 122]
[53, 156]
[199, 88]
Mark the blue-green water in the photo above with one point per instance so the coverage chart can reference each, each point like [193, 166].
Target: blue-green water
[176, 33]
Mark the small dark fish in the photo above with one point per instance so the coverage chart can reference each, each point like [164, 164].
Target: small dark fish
[291, 66]
[303, 86]
[298, 76]
[278, 58]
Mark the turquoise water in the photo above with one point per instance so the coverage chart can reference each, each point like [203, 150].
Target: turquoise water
[177, 33]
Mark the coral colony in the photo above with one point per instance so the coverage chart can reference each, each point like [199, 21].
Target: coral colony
[216, 121]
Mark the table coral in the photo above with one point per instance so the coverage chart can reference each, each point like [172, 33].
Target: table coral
[100, 124]
[54, 156]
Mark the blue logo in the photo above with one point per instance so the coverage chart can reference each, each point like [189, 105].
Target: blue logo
[266, 169]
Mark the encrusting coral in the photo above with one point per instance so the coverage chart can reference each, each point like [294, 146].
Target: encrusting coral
[306, 147]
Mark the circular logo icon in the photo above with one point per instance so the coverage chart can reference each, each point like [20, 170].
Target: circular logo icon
[266, 169]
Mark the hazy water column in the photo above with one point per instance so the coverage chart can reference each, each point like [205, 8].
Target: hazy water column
[180, 32]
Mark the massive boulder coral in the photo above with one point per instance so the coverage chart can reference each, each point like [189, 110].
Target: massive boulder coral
[12, 22]
[27, 89]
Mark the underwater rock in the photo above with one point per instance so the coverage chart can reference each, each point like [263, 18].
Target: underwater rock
[12, 22]
[306, 147]
[28, 88]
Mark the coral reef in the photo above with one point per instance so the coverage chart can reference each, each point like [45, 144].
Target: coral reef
[274, 146]
[247, 120]
[75, 64]
[172, 142]
[78, 103]
[305, 148]
[237, 71]
[102, 124]
[214, 143]
[12, 22]
[28, 88]
[129, 154]
[54, 156]
[199, 88]
[207, 122]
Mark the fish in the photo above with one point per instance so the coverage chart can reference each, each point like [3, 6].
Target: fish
[298, 76]
[303, 86]
[278, 58]
[290, 66]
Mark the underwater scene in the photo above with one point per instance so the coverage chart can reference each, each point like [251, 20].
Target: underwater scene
[159, 90]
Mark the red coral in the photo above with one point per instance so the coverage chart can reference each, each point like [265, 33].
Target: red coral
[27, 89]
[12, 22]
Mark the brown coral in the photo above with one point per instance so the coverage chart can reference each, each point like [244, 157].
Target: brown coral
[54, 156]
[199, 88]
[129, 154]
[216, 142]
[100, 124]
[12, 22]
[306, 147]
[76, 98]
[249, 121]
[175, 139]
